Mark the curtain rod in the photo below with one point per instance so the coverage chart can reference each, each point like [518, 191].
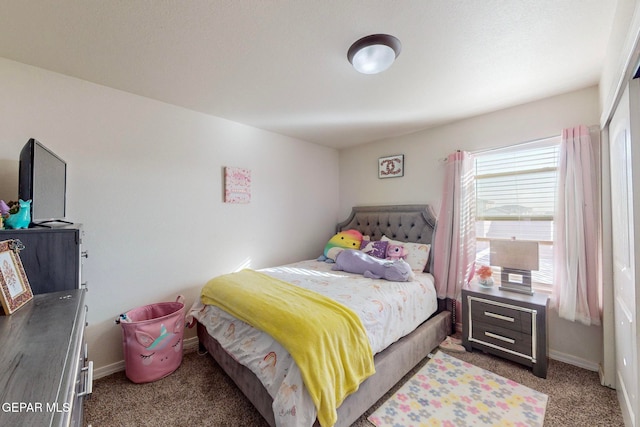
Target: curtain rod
[531, 141]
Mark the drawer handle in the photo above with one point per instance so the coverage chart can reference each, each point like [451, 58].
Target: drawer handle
[88, 385]
[500, 337]
[499, 316]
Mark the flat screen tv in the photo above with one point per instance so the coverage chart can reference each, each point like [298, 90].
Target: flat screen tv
[43, 180]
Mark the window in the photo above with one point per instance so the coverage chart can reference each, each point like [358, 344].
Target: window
[515, 198]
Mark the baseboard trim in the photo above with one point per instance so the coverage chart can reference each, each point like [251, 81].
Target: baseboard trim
[575, 361]
[189, 345]
[603, 378]
[107, 370]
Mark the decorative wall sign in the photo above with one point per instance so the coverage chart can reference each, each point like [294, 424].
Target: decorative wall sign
[391, 166]
[14, 286]
[237, 185]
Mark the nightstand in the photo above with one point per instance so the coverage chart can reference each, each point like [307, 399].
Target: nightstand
[508, 324]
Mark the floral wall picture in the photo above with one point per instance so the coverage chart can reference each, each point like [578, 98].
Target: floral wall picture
[391, 166]
[237, 185]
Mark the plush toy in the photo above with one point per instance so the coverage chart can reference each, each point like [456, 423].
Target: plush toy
[396, 251]
[353, 261]
[22, 218]
[350, 239]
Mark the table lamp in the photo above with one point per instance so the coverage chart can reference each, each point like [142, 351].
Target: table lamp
[517, 258]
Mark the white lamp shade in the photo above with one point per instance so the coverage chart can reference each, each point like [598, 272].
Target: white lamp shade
[517, 254]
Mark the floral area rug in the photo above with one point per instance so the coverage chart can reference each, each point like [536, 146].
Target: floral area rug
[449, 392]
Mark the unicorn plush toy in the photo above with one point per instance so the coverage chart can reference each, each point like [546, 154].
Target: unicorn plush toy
[358, 262]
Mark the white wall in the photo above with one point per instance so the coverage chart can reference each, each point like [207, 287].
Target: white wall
[621, 57]
[424, 172]
[145, 179]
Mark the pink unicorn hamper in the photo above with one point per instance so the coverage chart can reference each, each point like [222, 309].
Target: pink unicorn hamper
[152, 340]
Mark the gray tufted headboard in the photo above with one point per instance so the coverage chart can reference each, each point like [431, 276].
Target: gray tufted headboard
[407, 223]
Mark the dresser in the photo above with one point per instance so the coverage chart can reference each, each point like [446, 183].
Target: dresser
[44, 369]
[508, 324]
[52, 256]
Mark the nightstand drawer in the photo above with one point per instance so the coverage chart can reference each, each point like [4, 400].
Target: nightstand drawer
[509, 339]
[500, 315]
[507, 324]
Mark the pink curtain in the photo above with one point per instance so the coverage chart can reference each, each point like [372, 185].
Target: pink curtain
[575, 239]
[455, 238]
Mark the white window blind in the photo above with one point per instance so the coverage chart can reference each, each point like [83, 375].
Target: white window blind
[515, 198]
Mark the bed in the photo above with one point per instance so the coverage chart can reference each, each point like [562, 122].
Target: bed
[405, 223]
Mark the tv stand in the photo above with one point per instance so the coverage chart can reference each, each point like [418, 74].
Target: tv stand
[45, 223]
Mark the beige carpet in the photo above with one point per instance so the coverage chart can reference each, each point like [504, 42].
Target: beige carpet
[200, 394]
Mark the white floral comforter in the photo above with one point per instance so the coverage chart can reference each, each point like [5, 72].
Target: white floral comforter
[388, 311]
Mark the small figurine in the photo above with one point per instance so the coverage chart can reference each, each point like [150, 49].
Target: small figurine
[4, 209]
[22, 219]
[14, 207]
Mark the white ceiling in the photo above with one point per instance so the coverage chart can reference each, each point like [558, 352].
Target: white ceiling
[281, 65]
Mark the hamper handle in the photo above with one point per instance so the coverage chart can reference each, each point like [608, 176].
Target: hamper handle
[123, 318]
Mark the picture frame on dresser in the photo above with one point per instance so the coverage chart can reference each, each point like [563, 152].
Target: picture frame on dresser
[14, 285]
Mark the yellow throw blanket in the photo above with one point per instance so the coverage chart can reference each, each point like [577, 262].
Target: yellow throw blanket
[326, 339]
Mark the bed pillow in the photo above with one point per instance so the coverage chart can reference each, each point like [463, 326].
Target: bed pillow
[416, 254]
[375, 248]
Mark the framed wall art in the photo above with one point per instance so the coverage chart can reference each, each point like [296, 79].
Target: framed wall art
[237, 185]
[14, 286]
[391, 166]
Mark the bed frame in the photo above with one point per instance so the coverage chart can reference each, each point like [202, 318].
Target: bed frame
[408, 223]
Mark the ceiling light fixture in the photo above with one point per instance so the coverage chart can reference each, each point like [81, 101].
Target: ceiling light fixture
[374, 54]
